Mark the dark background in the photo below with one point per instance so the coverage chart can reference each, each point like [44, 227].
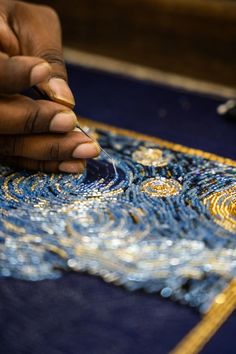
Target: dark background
[196, 38]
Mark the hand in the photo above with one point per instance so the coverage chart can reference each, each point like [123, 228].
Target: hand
[37, 134]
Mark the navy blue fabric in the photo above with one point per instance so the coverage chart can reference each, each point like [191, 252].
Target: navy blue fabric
[80, 314]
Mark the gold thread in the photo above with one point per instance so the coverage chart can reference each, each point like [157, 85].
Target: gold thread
[13, 228]
[58, 251]
[221, 309]
[160, 142]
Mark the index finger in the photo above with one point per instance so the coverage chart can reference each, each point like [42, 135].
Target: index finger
[39, 32]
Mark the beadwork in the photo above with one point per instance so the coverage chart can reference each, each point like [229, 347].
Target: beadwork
[161, 187]
[222, 206]
[165, 222]
[150, 156]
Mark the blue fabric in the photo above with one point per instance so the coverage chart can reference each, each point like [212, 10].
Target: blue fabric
[82, 314]
[78, 314]
[224, 339]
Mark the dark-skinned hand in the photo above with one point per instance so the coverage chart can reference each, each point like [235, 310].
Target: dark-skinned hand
[37, 134]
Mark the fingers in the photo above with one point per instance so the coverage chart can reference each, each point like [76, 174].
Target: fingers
[44, 152]
[8, 39]
[22, 115]
[31, 42]
[45, 43]
[73, 166]
[19, 73]
[57, 147]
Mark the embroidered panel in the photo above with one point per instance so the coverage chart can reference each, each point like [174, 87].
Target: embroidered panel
[166, 222]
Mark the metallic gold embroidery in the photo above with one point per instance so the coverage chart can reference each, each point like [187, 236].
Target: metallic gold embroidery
[144, 226]
[11, 227]
[153, 225]
[222, 206]
[150, 157]
[161, 187]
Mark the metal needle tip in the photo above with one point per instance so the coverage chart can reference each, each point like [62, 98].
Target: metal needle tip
[104, 151]
[45, 96]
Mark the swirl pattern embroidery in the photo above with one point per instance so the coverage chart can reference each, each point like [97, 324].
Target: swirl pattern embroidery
[165, 222]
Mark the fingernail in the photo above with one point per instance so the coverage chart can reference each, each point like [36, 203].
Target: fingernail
[63, 122]
[71, 167]
[86, 150]
[60, 92]
[39, 73]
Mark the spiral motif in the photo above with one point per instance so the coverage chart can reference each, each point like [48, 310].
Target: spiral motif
[148, 156]
[113, 226]
[19, 189]
[222, 206]
[161, 187]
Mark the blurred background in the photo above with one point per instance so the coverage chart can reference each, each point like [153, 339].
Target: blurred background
[194, 38]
